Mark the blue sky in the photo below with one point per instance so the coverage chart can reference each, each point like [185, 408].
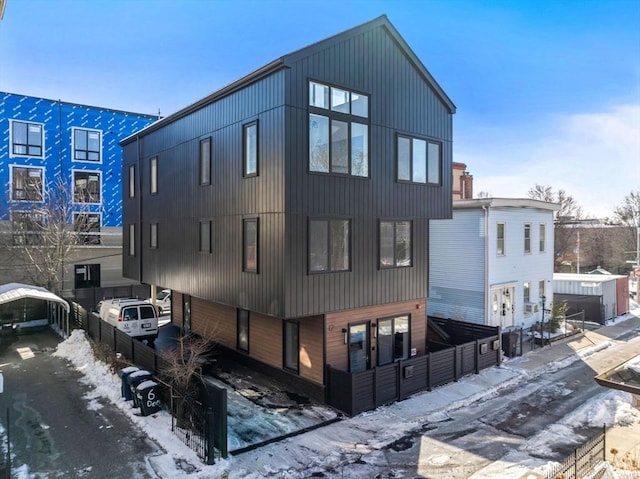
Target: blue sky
[547, 92]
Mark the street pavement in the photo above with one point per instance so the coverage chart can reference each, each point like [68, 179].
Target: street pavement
[54, 430]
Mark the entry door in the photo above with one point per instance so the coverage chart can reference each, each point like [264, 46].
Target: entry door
[502, 306]
[359, 347]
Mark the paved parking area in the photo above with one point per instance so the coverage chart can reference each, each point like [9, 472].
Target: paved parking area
[54, 430]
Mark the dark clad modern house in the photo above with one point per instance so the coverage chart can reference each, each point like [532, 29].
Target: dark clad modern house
[289, 211]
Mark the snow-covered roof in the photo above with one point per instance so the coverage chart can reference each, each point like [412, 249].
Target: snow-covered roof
[14, 291]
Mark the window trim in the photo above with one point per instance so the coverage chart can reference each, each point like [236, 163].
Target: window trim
[76, 214]
[73, 186]
[245, 149]
[42, 182]
[26, 155]
[349, 244]
[526, 286]
[428, 141]
[201, 160]
[153, 175]
[73, 145]
[395, 245]
[334, 115]
[245, 268]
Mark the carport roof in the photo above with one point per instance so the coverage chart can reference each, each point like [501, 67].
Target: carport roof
[14, 291]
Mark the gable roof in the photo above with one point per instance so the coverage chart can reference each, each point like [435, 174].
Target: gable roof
[284, 61]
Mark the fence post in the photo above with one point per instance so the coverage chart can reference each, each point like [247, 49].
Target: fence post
[604, 441]
[455, 363]
[477, 364]
[428, 371]
[210, 428]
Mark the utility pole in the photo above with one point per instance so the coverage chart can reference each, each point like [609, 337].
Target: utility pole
[578, 253]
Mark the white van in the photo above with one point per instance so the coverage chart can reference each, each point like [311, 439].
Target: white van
[135, 317]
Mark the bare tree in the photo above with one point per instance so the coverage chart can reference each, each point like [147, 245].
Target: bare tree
[565, 235]
[45, 233]
[483, 194]
[629, 212]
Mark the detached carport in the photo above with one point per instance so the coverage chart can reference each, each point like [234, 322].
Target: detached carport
[24, 305]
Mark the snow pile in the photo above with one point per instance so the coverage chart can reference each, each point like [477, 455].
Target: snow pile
[634, 364]
[610, 408]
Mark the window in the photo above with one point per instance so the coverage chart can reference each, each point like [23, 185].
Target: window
[26, 139]
[153, 172]
[291, 345]
[329, 245]
[132, 181]
[87, 276]
[500, 239]
[243, 330]
[393, 339]
[250, 141]
[338, 131]
[419, 160]
[87, 145]
[26, 227]
[132, 240]
[395, 244]
[26, 183]
[250, 241]
[527, 291]
[87, 226]
[205, 162]
[86, 186]
[541, 292]
[543, 237]
[527, 238]
[153, 236]
[205, 236]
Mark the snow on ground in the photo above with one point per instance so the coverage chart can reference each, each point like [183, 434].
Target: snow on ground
[360, 436]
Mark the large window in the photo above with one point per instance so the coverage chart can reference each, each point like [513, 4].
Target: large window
[27, 139]
[27, 228]
[205, 236]
[393, 339]
[87, 227]
[153, 175]
[541, 292]
[543, 237]
[86, 186]
[291, 346]
[500, 246]
[395, 244]
[205, 162]
[87, 145]
[526, 287]
[250, 241]
[250, 149]
[527, 238]
[329, 245]
[419, 161]
[338, 131]
[243, 330]
[26, 183]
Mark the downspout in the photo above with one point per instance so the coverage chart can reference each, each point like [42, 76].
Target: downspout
[487, 293]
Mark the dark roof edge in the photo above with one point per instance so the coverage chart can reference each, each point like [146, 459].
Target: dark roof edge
[384, 22]
[226, 90]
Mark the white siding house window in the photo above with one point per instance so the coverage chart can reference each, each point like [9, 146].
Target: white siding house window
[527, 238]
[543, 237]
[500, 246]
[526, 287]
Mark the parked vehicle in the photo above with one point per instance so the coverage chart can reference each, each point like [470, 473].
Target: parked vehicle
[163, 301]
[135, 317]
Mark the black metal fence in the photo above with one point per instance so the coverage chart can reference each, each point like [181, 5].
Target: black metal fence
[583, 460]
[354, 393]
[194, 422]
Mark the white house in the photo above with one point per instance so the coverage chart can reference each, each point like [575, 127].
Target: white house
[492, 263]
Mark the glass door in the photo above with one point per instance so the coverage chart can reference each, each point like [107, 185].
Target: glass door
[359, 347]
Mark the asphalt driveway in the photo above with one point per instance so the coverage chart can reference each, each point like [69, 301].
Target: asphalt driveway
[53, 431]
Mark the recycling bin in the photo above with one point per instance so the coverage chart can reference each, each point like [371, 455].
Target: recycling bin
[134, 379]
[148, 397]
[125, 390]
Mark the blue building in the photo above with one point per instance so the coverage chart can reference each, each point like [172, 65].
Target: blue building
[47, 143]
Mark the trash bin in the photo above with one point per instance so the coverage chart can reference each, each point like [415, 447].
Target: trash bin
[125, 390]
[134, 379]
[148, 398]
